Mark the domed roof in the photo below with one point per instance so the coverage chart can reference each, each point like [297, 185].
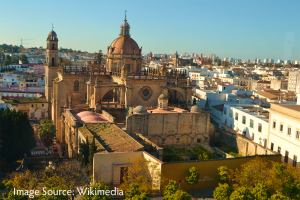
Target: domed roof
[89, 117]
[139, 110]
[125, 23]
[195, 109]
[163, 96]
[52, 33]
[128, 45]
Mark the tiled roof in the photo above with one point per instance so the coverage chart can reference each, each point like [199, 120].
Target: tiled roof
[113, 139]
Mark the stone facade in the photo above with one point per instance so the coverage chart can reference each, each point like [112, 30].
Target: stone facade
[172, 128]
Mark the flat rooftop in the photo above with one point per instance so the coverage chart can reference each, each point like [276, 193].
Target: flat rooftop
[175, 110]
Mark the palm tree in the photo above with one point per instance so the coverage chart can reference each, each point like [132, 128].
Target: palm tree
[47, 132]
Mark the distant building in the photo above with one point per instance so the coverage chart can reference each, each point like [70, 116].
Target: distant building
[294, 81]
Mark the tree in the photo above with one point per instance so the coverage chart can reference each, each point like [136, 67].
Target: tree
[92, 151]
[219, 62]
[15, 141]
[145, 174]
[192, 177]
[24, 59]
[203, 156]
[47, 132]
[261, 191]
[223, 192]
[16, 59]
[278, 196]
[251, 173]
[171, 191]
[84, 150]
[98, 186]
[241, 193]
[135, 193]
[222, 176]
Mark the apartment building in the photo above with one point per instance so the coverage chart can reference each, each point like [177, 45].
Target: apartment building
[248, 120]
[284, 132]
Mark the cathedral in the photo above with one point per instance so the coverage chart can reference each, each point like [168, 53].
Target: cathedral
[99, 92]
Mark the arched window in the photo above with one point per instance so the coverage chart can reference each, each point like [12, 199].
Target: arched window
[53, 45]
[76, 86]
[52, 61]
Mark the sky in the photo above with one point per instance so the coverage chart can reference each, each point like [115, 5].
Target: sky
[242, 29]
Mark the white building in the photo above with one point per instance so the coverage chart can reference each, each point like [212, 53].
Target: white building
[286, 62]
[248, 120]
[284, 132]
[10, 80]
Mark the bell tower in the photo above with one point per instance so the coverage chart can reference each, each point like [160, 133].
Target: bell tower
[51, 65]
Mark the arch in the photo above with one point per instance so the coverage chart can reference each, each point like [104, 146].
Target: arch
[170, 140]
[185, 139]
[175, 96]
[53, 46]
[52, 61]
[156, 140]
[76, 86]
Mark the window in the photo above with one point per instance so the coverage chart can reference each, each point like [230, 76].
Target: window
[272, 146]
[295, 161]
[32, 105]
[279, 150]
[160, 105]
[289, 131]
[281, 127]
[259, 127]
[31, 115]
[225, 111]
[244, 119]
[76, 86]
[12, 79]
[236, 116]
[252, 136]
[251, 123]
[230, 113]
[298, 134]
[274, 124]
[43, 114]
[198, 140]
[286, 157]
[42, 105]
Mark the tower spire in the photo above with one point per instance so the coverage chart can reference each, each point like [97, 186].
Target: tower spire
[52, 27]
[125, 15]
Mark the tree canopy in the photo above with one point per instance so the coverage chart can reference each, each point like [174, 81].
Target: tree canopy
[193, 176]
[15, 141]
[47, 132]
[261, 179]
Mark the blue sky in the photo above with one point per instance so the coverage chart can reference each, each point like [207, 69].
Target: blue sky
[229, 28]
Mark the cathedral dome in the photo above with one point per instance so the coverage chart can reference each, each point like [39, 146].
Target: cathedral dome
[51, 33]
[128, 45]
[139, 110]
[195, 109]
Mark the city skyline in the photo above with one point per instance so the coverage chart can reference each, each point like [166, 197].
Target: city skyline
[242, 30]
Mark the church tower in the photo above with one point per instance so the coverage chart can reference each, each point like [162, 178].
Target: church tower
[51, 65]
[175, 59]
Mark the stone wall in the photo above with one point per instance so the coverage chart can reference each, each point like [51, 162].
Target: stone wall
[172, 128]
[108, 116]
[244, 145]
